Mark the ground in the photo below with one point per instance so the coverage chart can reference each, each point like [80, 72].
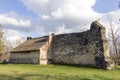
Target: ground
[55, 72]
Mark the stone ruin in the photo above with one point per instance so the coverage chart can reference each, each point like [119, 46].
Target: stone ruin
[85, 48]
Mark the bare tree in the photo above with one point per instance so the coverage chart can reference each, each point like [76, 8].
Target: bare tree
[9, 45]
[114, 35]
[1, 41]
[17, 42]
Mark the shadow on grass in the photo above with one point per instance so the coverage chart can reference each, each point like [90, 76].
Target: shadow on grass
[10, 77]
[49, 77]
[102, 77]
[79, 66]
[118, 68]
[60, 64]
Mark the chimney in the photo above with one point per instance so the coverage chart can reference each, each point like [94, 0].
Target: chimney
[50, 55]
[51, 37]
[28, 38]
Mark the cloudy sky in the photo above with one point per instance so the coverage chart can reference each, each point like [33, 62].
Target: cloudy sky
[22, 18]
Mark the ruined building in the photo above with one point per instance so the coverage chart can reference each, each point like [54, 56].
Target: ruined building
[85, 48]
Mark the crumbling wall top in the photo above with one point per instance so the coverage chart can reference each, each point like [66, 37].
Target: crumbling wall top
[96, 24]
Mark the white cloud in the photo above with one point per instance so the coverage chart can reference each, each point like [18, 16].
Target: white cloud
[12, 38]
[7, 20]
[74, 14]
[112, 17]
[15, 21]
[45, 17]
[59, 16]
[62, 29]
[11, 35]
[14, 25]
[62, 8]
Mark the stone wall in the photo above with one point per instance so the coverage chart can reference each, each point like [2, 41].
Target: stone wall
[44, 54]
[31, 57]
[86, 48]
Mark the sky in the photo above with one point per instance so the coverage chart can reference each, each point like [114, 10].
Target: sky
[35, 18]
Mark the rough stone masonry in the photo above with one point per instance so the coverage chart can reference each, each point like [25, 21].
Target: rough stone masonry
[85, 48]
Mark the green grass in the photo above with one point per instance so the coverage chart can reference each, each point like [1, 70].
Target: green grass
[55, 72]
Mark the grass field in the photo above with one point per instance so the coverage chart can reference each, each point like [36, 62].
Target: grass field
[55, 72]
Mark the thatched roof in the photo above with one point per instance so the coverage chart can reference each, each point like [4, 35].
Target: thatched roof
[32, 44]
